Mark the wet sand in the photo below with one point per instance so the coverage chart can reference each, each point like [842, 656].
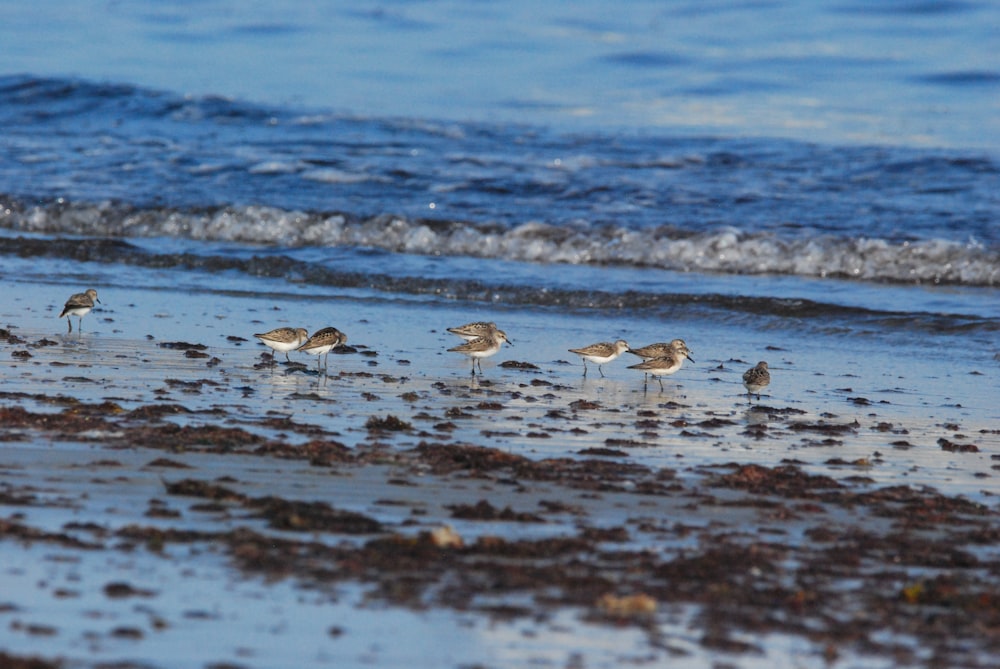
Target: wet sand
[172, 497]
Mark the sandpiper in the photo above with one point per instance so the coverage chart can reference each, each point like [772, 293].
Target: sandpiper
[666, 364]
[658, 350]
[284, 340]
[600, 353]
[322, 342]
[481, 347]
[79, 305]
[471, 331]
[755, 379]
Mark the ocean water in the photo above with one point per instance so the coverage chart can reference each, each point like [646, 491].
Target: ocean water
[787, 167]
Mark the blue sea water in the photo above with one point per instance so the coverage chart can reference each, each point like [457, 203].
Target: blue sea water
[785, 160]
[900, 72]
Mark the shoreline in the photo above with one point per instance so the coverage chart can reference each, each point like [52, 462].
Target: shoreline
[141, 470]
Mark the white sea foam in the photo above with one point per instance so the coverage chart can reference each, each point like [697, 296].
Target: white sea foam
[725, 250]
[275, 167]
[330, 175]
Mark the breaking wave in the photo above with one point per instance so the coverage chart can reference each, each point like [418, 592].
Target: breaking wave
[726, 250]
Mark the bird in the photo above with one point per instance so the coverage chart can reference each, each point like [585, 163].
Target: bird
[322, 342]
[600, 353]
[665, 364]
[482, 347]
[471, 331]
[658, 350]
[755, 379]
[79, 305]
[284, 339]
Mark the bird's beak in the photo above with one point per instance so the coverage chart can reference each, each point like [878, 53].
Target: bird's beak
[689, 357]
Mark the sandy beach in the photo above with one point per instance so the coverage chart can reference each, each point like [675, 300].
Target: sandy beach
[171, 498]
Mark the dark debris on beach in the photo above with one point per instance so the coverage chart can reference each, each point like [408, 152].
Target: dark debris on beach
[853, 570]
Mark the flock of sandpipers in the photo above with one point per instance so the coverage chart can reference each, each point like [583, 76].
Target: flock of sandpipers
[481, 341]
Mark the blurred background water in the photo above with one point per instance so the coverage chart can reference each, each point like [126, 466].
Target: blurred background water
[901, 72]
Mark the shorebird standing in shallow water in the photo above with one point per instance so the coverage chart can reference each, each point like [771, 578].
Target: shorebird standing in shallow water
[284, 340]
[79, 305]
[600, 353]
[756, 379]
[663, 365]
[322, 342]
[482, 347]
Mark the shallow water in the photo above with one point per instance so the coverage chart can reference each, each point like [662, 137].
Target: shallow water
[910, 399]
[196, 603]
